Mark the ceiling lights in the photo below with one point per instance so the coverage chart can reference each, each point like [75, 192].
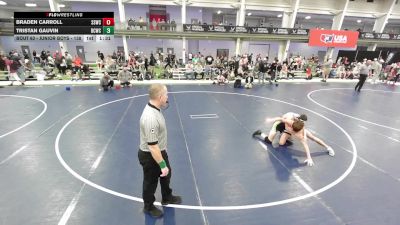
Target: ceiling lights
[61, 5]
[308, 17]
[279, 15]
[219, 12]
[359, 21]
[3, 3]
[30, 4]
[249, 14]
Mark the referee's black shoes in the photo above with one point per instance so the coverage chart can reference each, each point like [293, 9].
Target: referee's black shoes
[257, 132]
[174, 199]
[153, 211]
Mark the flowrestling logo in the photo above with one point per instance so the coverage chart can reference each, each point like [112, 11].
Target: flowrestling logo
[333, 38]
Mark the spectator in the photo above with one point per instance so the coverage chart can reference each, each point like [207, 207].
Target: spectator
[106, 82]
[130, 24]
[198, 70]
[168, 61]
[99, 63]
[63, 65]
[100, 55]
[114, 56]
[189, 71]
[36, 59]
[77, 62]
[152, 63]
[284, 71]
[57, 60]
[154, 24]
[141, 22]
[146, 63]
[43, 55]
[327, 69]
[173, 25]
[3, 66]
[68, 59]
[124, 77]
[15, 68]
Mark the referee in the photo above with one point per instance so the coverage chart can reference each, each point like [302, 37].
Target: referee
[153, 152]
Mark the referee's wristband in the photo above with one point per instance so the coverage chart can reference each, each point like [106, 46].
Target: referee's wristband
[162, 164]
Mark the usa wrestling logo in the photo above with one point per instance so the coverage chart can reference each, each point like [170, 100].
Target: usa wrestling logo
[331, 38]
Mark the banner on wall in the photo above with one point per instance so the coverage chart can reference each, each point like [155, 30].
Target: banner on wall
[379, 36]
[326, 38]
[214, 28]
[239, 29]
[333, 38]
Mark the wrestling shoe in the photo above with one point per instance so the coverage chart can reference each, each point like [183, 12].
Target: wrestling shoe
[257, 132]
[331, 152]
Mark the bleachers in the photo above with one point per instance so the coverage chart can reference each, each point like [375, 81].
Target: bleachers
[95, 74]
[298, 74]
[3, 75]
[179, 73]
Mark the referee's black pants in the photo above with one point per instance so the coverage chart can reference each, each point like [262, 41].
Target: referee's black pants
[151, 174]
[361, 82]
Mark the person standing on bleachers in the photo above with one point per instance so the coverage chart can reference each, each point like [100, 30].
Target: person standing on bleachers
[274, 70]
[3, 66]
[396, 73]
[168, 61]
[120, 57]
[327, 69]
[173, 25]
[99, 63]
[57, 60]
[63, 65]
[376, 68]
[15, 68]
[77, 62]
[207, 69]
[141, 22]
[36, 59]
[190, 56]
[100, 55]
[284, 71]
[43, 56]
[152, 64]
[146, 64]
[68, 60]
[154, 24]
[262, 68]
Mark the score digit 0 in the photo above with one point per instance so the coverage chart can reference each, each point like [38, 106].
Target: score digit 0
[108, 21]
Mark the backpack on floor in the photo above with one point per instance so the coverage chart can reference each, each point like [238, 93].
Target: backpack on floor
[238, 83]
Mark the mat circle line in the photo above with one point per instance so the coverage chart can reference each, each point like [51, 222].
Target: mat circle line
[347, 115]
[33, 120]
[240, 207]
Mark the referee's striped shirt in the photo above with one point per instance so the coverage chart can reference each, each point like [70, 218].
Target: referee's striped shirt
[152, 128]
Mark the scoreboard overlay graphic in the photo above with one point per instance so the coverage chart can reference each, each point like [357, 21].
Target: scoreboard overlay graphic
[63, 26]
